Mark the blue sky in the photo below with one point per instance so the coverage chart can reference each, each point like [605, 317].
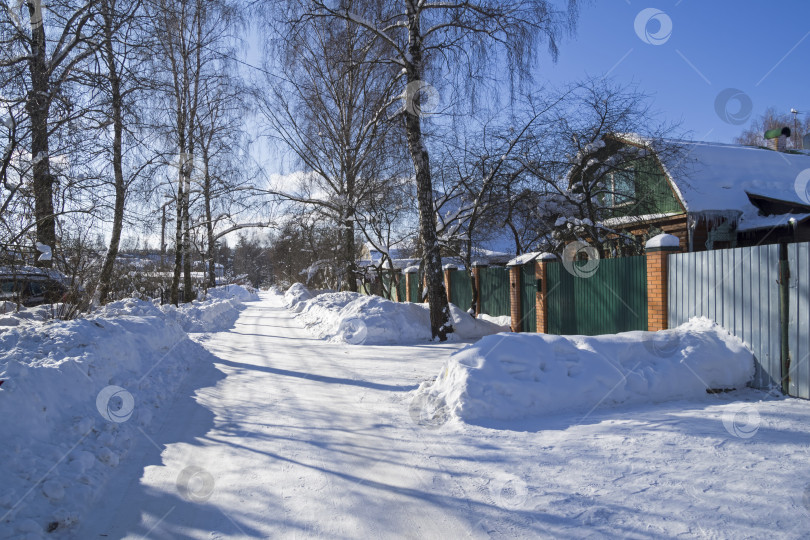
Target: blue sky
[760, 48]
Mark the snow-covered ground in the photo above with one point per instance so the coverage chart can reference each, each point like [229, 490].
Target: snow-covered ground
[76, 393]
[277, 433]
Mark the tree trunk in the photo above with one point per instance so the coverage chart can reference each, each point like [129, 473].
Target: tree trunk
[210, 254]
[349, 247]
[187, 285]
[178, 238]
[440, 324]
[38, 107]
[118, 127]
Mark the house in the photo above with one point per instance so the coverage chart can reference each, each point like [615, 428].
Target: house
[709, 195]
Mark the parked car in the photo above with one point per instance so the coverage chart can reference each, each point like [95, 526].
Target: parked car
[32, 286]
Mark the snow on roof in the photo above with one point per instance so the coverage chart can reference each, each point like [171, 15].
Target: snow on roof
[32, 271]
[412, 269]
[625, 220]
[529, 257]
[750, 223]
[716, 178]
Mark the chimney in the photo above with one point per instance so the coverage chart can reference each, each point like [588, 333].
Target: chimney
[777, 138]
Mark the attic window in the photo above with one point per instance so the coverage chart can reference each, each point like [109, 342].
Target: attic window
[622, 187]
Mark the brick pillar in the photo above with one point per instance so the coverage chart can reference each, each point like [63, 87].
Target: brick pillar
[477, 278]
[657, 287]
[447, 269]
[541, 309]
[514, 297]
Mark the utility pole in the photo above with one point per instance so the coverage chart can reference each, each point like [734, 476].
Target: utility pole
[797, 139]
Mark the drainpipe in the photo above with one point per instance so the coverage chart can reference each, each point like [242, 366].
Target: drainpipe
[784, 316]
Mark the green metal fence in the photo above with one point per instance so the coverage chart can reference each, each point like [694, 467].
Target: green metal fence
[416, 287]
[613, 299]
[461, 289]
[494, 293]
[528, 296]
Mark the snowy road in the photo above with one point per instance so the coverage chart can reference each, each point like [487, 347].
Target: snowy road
[302, 438]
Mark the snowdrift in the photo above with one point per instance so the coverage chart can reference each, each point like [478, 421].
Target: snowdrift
[371, 320]
[75, 395]
[216, 313]
[509, 377]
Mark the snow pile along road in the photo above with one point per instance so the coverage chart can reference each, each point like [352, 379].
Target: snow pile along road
[509, 377]
[372, 320]
[76, 394]
[216, 313]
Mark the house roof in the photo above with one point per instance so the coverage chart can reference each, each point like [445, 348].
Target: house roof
[715, 179]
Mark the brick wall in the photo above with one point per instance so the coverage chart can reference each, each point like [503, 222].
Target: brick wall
[514, 297]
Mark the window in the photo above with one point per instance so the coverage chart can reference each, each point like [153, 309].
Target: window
[622, 187]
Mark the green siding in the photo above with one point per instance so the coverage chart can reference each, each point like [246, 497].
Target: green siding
[613, 300]
[494, 293]
[528, 296]
[461, 289]
[652, 192]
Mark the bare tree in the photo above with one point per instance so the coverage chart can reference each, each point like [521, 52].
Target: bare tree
[331, 108]
[45, 52]
[597, 165]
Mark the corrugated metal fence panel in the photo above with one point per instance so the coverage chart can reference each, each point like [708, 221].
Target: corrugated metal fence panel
[528, 297]
[416, 287]
[560, 300]
[613, 299]
[494, 293]
[461, 289]
[799, 329]
[738, 289]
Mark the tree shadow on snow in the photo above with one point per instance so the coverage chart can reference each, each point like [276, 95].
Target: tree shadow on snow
[183, 506]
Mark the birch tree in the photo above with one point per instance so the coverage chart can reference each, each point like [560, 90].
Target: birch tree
[460, 40]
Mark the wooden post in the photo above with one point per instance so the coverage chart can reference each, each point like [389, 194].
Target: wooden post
[447, 279]
[541, 306]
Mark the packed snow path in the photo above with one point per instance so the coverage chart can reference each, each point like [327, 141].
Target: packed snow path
[302, 438]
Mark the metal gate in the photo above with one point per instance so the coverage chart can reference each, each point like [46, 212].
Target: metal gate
[494, 294]
[613, 299]
[739, 289]
[528, 298]
[461, 289]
